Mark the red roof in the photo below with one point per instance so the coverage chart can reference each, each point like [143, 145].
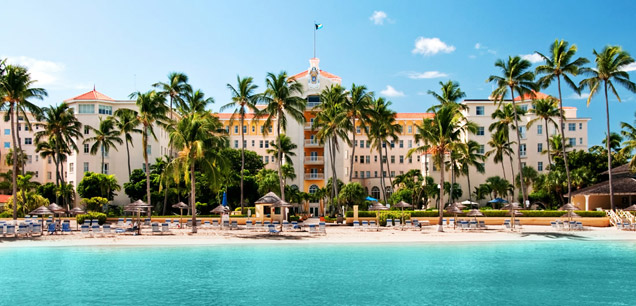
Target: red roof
[322, 72]
[4, 198]
[229, 115]
[90, 96]
[529, 97]
[414, 115]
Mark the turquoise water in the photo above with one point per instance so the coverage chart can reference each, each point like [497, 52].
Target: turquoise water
[557, 272]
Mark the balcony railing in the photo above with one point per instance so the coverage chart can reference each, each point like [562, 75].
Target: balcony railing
[314, 160]
[308, 126]
[312, 143]
[312, 104]
[314, 176]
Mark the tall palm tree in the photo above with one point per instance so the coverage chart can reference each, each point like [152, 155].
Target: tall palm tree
[286, 147]
[545, 109]
[629, 134]
[469, 157]
[615, 140]
[383, 128]
[16, 89]
[450, 93]
[244, 99]
[500, 147]
[506, 118]
[106, 137]
[127, 124]
[151, 111]
[442, 133]
[194, 101]
[610, 68]
[559, 63]
[282, 97]
[555, 144]
[516, 77]
[358, 108]
[199, 137]
[332, 124]
[176, 88]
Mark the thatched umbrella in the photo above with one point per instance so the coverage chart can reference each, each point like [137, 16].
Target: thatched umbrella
[569, 207]
[269, 198]
[181, 206]
[137, 207]
[220, 209]
[56, 209]
[403, 205]
[513, 207]
[76, 211]
[454, 210]
[42, 210]
[377, 207]
[630, 208]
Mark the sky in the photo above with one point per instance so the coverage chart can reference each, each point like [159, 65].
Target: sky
[398, 49]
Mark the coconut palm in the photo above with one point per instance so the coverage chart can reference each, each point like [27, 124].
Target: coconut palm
[555, 150]
[610, 69]
[244, 99]
[559, 62]
[545, 109]
[469, 156]
[615, 140]
[358, 108]
[506, 118]
[16, 89]
[499, 187]
[529, 175]
[450, 93]
[176, 88]
[333, 125]
[283, 100]
[441, 134]
[194, 101]
[199, 137]
[629, 134]
[500, 147]
[106, 137]
[127, 124]
[287, 148]
[383, 129]
[151, 111]
[516, 77]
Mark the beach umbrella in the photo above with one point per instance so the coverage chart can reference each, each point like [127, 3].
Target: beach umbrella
[403, 205]
[459, 205]
[137, 206]
[378, 206]
[224, 202]
[220, 209]
[42, 210]
[77, 211]
[569, 207]
[467, 202]
[630, 208]
[56, 209]
[269, 198]
[368, 198]
[497, 201]
[181, 206]
[474, 213]
[513, 207]
[570, 214]
[454, 210]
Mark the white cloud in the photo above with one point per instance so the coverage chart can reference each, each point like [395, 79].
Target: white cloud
[477, 46]
[45, 72]
[378, 17]
[576, 96]
[431, 46]
[533, 58]
[630, 67]
[472, 56]
[391, 92]
[425, 75]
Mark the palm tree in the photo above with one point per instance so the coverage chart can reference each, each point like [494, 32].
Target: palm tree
[555, 144]
[529, 175]
[127, 124]
[441, 134]
[516, 77]
[287, 148]
[358, 108]
[610, 68]
[15, 92]
[199, 139]
[244, 98]
[500, 187]
[545, 109]
[176, 88]
[629, 134]
[194, 102]
[470, 157]
[506, 117]
[62, 129]
[282, 97]
[152, 111]
[451, 93]
[106, 136]
[332, 124]
[615, 140]
[559, 63]
[500, 147]
[383, 128]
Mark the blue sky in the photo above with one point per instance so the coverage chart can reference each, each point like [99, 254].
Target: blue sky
[400, 49]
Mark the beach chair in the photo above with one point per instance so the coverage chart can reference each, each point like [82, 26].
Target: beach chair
[155, 228]
[258, 225]
[175, 223]
[322, 228]
[295, 225]
[147, 221]
[444, 222]
[96, 230]
[120, 222]
[312, 229]
[248, 225]
[389, 222]
[507, 223]
[206, 224]
[272, 229]
[481, 224]
[451, 222]
[356, 225]
[10, 230]
[472, 224]
[189, 223]
[84, 229]
[66, 227]
[215, 224]
[408, 224]
[234, 225]
[167, 221]
[365, 225]
[554, 225]
[226, 224]
[107, 230]
[2, 228]
[579, 225]
[165, 228]
[51, 228]
[398, 222]
[373, 226]
[572, 225]
[37, 229]
[198, 223]
[518, 223]
[287, 225]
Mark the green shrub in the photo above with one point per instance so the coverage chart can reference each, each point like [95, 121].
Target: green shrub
[7, 214]
[95, 203]
[390, 214]
[101, 218]
[294, 218]
[486, 212]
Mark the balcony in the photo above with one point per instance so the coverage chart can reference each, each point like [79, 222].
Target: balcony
[308, 126]
[309, 143]
[314, 176]
[314, 160]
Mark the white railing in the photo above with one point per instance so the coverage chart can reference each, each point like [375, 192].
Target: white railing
[312, 143]
[314, 176]
[315, 160]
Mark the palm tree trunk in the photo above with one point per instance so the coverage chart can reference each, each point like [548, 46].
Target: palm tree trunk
[503, 168]
[469, 192]
[279, 161]
[334, 181]
[382, 173]
[609, 152]
[14, 175]
[353, 150]
[128, 159]
[388, 168]
[565, 155]
[242, 159]
[547, 142]
[512, 170]
[514, 108]
[102, 172]
[440, 207]
[145, 145]
[193, 199]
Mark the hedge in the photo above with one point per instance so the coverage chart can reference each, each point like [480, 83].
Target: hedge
[487, 213]
[100, 217]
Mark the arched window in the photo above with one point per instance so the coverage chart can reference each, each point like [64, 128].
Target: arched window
[375, 192]
[294, 187]
[389, 191]
[366, 190]
[313, 189]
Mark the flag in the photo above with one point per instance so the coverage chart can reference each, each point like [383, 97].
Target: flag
[318, 26]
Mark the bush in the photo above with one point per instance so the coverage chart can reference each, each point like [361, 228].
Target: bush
[7, 214]
[95, 203]
[383, 215]
[486, 212]
[245, 209]
[101, 218]
[294, 218]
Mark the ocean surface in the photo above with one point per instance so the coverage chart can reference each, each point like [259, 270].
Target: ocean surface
[562, 272]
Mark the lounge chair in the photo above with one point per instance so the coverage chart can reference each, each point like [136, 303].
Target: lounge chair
[507, 223]
[66, 227]
[286, 224]
[206, 224]
[85, 229]
[155, 228]
[472, 224]
[356, 225]
[312, 229]
[572, 225]
[2, 228]
[373, 226]
[389, 222]
[165, 228]
[51, 228]
[365, 225]
[518, 223]
[189, 223]
[96, 230]
[322, 228]
[579, 225]
[37, 229]
[107, 231]
[120, 222]
[408, 224]
[295, 225]
[167, 221]
[416, 224]
[248, 225]
[258, 225]
[11, 230]
[554, 225]
[272, 229]
[481, 224]
[147, 221]
[451, 222]
[128, 222]
[234, 225]
[175, 223]
[398, 222]
[215, 224]
[198, 223]
[226, 224]
[444, 222]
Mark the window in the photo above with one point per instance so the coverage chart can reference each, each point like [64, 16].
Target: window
[266, 143]
[410, 160]
[236, 129]
[85, 166]
[37, 174]
[19, 127]
[375, 173]
[267, 159]
[375, 192]
[355, 158]
[29, 159]
[236, 144]
[480, 131]
[227, 129]
[7, 145]
[86, 148]
[383, 173]
[392, 173]
[522, 150]
[392, 144]
[572, 141]
[105, 170]
[524, 108]
[358, 129]
[253, 129]
[393, 159]
[540, 166]
[362, 159]
[539, 129]
[86, 109]
[539, 147]
[260, 143]
[368, 159]
[355, 174]
[71, 167]
[479, 110]
[313, 101]
[368, 173]
[482, 149]
[410, 144]
[262, 129]
[49, 160]
[361, 144]
[28, 141]
[148, 150]
[48, 175]
[401, 143]
[410, 129]
[244, 129]
[522, 132]
[253, 143]
[418, 158]
[313, 189]
[37, 157]
[401, 159]
[375, 158]
[580, 125]
[105, 110]
[571, 126]
[7, 131]
[580, 140]
[244, 143]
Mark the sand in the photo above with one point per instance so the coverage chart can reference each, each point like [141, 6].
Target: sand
[335, 235]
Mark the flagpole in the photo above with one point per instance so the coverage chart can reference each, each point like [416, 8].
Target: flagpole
[314, 39]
